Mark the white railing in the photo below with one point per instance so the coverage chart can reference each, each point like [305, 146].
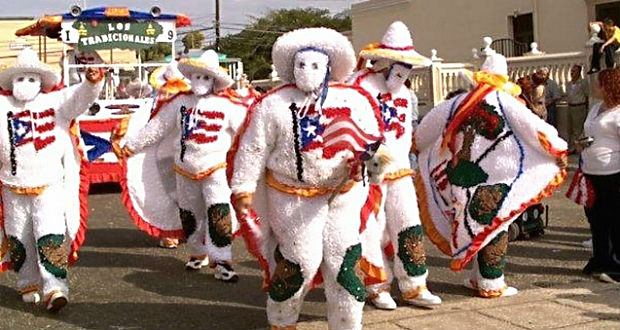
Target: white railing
[559, 66]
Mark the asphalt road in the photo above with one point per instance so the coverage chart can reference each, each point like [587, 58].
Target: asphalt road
[124, 281]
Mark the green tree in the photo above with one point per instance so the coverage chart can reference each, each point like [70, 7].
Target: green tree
[253, 44]
[193, 40]
[156, 52]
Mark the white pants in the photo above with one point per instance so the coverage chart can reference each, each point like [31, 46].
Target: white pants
[36, 227]
[313, 235]
[207, 216]
[398, 223]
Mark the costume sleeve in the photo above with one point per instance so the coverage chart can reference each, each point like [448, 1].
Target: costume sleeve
[158, 127]
[237, 117]
[530, 128]
[255, 145]
[433, 123]
[76, 99]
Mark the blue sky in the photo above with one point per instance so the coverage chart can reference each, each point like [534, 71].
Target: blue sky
[233, 11]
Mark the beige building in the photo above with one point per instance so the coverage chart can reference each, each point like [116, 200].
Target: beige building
[454, 27]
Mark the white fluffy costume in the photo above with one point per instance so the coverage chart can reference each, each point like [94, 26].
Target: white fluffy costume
[201, 126]
[43, 197]
[292, 157]
[397, 222]
[484, 158]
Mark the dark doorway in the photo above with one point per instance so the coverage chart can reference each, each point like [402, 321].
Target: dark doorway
[608, 10]
[523, 28]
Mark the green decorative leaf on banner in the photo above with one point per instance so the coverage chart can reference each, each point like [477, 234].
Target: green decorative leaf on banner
[466, 174]
[95, 35]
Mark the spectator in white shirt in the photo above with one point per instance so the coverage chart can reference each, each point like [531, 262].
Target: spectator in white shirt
[577, 92]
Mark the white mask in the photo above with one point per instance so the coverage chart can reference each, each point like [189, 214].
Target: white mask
[26, 86]
[310, 70]
[396, 77]
[202, 84]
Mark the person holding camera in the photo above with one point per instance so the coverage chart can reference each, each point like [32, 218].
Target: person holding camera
[601, 166]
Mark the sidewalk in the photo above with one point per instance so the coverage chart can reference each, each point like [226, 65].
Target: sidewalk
[586, 304]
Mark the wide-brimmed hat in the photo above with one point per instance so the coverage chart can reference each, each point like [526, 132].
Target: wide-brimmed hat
[336, 46]
[168, 79]
[208, 63]
[396, 45]
[28, 62]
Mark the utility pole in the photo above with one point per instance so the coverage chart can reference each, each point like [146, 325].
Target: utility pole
[217, 25]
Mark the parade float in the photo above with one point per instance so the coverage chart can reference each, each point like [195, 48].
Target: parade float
[90, 35]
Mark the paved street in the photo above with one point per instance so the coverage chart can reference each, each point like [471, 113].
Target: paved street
[123, 281]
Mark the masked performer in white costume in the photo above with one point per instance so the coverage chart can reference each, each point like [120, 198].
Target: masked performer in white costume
[40, 165]
[204, 123]
[398, 221]
[292, 161]
[484, 158]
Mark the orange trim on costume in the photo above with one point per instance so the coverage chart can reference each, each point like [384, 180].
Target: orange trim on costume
[374, 274]
[27, 191]
[304, 192]
[414, 293]
[459, 264]
[398, 174]
[199, 176]
[28, 289]
[463, 113]
[544, 141]
[491, 293]
[499, 81]
[425, 216]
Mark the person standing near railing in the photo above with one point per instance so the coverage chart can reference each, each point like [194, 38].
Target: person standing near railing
[577, 92]
[552, 95]
[611, 44]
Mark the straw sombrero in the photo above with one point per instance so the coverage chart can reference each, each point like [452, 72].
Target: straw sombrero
[28, 62]
[335, 45]
[208, 63]
[396, 45]
[169, 80]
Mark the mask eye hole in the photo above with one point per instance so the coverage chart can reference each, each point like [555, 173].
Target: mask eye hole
[205, 77]
[20, 79]
[301, 65]
[315, 66]
[31, 80]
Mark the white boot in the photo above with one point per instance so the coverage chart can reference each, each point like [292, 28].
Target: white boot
[196, 263]
[384, 300]
[224, 272]
[424, 299]
[31, 297]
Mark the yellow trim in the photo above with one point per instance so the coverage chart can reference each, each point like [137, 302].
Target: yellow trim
[395, 55]
[412, 294]
[201, 65]
[499, 81]
[491, 293]
[425, 216]
[398, 174]
[304, 192]
[199, 176]
[372, 271]
[28, 191]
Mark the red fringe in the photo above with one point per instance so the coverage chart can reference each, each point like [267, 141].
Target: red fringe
[252, 245]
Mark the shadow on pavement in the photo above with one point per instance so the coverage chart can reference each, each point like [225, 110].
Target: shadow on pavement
[127, 260]
[137, 315]
[119, 238]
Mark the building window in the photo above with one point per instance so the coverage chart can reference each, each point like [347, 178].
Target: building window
[608, 10]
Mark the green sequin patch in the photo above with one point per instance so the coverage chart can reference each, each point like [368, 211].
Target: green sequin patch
[220, 224]
[411, 250]
[188, 222]
[53, 254]
[287, 278]
[350, 275]
[492, 258]
[17, 253]
[486, 202]
[466, 174]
